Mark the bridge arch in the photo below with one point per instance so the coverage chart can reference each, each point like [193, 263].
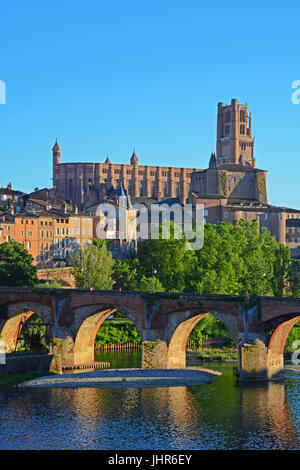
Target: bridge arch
[17, 312]
[87, 321]
[171, 353]
[279, 336]
[179, 338]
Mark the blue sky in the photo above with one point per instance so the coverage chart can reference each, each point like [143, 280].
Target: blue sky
[106, 77]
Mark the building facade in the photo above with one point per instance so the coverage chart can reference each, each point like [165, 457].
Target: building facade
[232, 188]
[90, 183]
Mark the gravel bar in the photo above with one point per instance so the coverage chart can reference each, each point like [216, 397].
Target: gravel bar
[127, 378]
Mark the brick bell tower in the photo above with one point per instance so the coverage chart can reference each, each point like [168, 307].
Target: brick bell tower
[55, 161]
[235, 143]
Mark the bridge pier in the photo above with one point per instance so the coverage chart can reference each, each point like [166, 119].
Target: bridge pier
[69, 356]
[157, 355]
[258, 362]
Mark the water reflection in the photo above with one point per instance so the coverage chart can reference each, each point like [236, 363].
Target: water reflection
[264, 411]
[221, 415]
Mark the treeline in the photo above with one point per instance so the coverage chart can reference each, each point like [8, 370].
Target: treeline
[236, 259]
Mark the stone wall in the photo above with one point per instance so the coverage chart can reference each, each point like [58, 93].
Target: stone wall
[16, 365]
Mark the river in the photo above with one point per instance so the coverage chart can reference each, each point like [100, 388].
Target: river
[222, 415]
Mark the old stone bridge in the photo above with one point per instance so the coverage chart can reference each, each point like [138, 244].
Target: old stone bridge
[259, 325]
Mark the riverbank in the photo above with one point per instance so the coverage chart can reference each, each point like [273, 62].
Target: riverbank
[16, 379]
[127, 378]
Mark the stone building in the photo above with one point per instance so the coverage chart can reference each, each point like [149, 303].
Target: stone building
[10, 198]
[232, 188]
[51, 237]
[89, 183]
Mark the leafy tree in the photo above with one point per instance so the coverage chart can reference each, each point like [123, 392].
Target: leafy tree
[211, 327]
[125, 273]
[149, 284]
[294, 278]
[93, 268]
[117, 332]
[16, 268]
[239, 260]
[36, 337]
[173, 263]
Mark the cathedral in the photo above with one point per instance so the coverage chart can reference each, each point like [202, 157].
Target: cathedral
[231, 188]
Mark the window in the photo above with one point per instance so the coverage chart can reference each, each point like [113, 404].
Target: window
[165, 188]
[152, 188]
[29, 233]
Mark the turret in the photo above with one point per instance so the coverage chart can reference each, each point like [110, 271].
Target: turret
[55, 161]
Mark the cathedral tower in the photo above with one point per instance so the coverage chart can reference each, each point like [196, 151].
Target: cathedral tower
[235, 143]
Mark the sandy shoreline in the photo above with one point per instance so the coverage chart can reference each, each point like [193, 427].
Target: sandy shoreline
[127, 378]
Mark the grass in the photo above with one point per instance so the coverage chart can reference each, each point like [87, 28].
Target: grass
[18, 378]
[217, 354]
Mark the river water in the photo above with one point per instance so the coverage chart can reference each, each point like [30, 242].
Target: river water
[222, 415]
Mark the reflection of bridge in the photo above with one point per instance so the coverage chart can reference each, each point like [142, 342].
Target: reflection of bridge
[164, 322]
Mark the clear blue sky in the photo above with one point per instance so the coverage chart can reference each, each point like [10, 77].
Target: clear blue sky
[105, 77]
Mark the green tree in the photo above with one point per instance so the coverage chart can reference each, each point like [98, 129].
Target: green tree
[125, 273]
[294, 278]
[149, 284]
[36, 336]
[93, 268]
[240, 260]
[16, 268]
[172, 262]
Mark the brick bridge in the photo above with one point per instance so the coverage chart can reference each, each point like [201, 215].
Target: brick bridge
[164, 322]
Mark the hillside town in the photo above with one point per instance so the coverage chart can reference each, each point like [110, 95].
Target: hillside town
[52, 223]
